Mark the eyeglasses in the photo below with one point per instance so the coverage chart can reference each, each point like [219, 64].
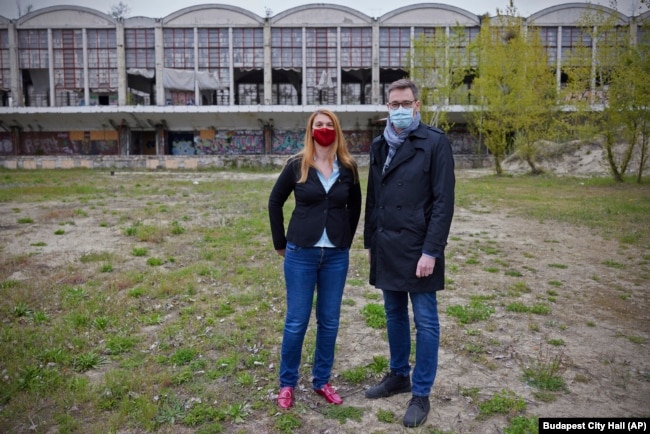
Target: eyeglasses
[395, 104]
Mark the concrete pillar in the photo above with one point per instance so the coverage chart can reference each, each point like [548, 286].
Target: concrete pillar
[197, 91]
[268, 137]
[16, 137]
[231, 56]
[268, 64]
[84, 38]
[375, 89]
[50, 67]
[122, 81]
[17, 96]
[124, 140]
[160, 59]
[338, 66]
[160, 140]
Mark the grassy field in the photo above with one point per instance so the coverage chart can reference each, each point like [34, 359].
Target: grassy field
[153, 302]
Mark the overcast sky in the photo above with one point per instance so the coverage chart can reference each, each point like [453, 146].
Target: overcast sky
[373, 8]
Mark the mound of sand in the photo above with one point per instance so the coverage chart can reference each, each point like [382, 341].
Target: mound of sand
[578, 158]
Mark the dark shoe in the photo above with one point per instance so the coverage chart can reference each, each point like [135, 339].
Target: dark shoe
[392, 384]
[417, 411]
[330, 394]
[285, 398]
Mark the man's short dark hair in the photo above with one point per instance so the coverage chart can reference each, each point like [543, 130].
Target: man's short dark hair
[402, 83]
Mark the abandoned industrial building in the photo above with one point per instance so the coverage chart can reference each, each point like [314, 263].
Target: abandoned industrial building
[214, 80]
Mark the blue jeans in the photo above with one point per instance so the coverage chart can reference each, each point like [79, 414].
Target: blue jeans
[427, 337]
[305, 270]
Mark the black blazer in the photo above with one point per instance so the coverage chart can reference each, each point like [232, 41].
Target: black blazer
[338, 210]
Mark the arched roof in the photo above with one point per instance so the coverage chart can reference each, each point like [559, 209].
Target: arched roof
[427, 14]
[321, 14]
[570, 13]
[65, 17]
[212, 15]
[139, 21]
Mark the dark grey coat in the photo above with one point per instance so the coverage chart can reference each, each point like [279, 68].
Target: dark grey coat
[409, 210]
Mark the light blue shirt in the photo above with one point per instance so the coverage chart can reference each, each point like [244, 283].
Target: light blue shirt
[327, 184]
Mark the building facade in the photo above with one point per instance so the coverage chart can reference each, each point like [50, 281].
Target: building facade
[221, 80]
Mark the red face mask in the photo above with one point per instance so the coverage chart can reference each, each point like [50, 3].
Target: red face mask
[324, 136]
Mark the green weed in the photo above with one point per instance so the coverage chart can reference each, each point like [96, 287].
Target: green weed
[378, 365]
[505, 402]
[613, 264]
[182, 356]
[385, 416]
[87, 361]
[21, 310]
[238, 412]
[155, 262]
[120, 344]
[355, 375]
[560, 266]
[342, 413]
[375, 315]
[287, 423]
[475, 311]
[522, 425]
[140, 251]
[545, 372]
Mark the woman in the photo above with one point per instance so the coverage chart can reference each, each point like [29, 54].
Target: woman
[316, 248]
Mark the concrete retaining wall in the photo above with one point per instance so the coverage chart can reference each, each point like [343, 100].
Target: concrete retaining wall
[172, 162]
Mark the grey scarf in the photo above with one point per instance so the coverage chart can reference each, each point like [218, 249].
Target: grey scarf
[395, 140]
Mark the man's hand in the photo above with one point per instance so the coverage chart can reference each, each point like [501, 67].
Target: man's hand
[425, 266]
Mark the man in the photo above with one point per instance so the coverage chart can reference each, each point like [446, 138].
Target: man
[409, 208]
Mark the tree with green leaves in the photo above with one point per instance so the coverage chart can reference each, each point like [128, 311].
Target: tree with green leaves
[515, 90]
[439, 64]
[614, 79]
[628, 109]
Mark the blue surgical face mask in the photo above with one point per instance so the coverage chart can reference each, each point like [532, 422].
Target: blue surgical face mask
[401, 117]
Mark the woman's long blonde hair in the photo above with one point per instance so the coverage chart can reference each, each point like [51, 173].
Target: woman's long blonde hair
[340, 147]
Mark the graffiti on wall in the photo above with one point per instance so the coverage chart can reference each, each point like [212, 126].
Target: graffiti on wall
[463, 142]
[224, 142]
[287, 142]
[182, 143]
[6, 144]
[290, 142]
[358, 141]
[59, 143]
[228, 142]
